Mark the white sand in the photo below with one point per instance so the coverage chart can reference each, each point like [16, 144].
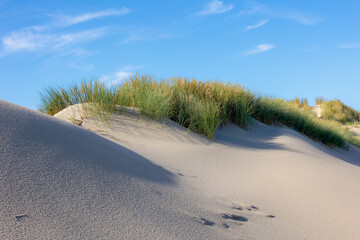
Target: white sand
[317, 110]
[158, 181]
[355, 130]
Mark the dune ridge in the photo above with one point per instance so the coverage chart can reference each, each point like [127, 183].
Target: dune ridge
[141, 179]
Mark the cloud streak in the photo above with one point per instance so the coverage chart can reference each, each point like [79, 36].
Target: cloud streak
[82, 66]
[142, 34]
[116, 78]
[31, 39]
[349, 45]
[40, 39]
[120, 76]
[215, 7]
[259, 24]
[282, 13]
[47, 37]
[259, 49]
[64, 21]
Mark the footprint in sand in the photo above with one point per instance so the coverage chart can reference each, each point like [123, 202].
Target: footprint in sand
[235, 217]
[204, 221]
[249, 208]
[256, 210]
[182, 175]
[224, 225]
[21, 217]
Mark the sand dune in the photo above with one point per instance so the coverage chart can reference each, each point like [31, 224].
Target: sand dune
[355, 130]
[132, 178]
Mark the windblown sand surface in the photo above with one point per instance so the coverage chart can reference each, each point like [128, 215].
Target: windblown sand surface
[355, 130]
[132, 178]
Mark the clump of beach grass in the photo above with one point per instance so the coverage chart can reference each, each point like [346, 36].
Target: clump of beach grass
[271, 110]
[338, 111]
[201, 107]
[53, 99]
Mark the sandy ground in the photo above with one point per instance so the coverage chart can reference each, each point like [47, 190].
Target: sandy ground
[355, 130]
[133, 178]
[317, 110]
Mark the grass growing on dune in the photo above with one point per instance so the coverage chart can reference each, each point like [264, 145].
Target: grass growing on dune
[53, 100]
[270, 110]
[201, 107]
[338, 111]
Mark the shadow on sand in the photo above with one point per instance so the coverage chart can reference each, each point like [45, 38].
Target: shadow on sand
[261, 136]
[34, 139]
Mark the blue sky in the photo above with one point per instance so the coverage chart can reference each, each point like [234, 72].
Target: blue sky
[278, 48]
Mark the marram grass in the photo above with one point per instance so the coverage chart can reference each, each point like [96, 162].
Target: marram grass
[201, 107]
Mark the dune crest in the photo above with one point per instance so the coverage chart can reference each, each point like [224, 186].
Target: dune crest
[143, 179]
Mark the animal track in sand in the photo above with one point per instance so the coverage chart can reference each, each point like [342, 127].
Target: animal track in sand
[224, 225]
[158, 193]
[251, 208]
[21, 217]
[204, 221]
[235, 217]
[183, 175]
[239, 216]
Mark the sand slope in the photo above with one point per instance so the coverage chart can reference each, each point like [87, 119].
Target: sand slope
[355, 130]
[156, 180]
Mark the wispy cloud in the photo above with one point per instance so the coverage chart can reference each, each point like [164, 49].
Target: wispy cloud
[349, 45]
[259, 49]
[82, 66]
[63, 20]
[81, 36]
[32, 39]
[282, 13]
[259, 24]
[40, 39]
[51, 35]
[121, 75]
[215, 7]
[144, 34]
[78, 52]
[116, 78]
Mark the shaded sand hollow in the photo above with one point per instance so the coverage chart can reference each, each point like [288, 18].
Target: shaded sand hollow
[133, 178]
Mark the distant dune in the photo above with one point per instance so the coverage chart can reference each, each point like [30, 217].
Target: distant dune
[134, 178]
[355, 130]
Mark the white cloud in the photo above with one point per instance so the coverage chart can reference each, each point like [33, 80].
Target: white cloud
[40, 39]
[116, 78]
[282, 13]
[300, 17]
[259, 24]
[120, 76]
[123, 75]
[81, 36]
[82, 66]
[349, 45]
[45, 38]
[131, 68]
[71, 20]
[31, 39]
[144, 34]
[216, 7]
[79, 52]
[259, 49]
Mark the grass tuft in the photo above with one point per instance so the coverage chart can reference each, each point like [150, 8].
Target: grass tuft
[201, 107]
[338, 111]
